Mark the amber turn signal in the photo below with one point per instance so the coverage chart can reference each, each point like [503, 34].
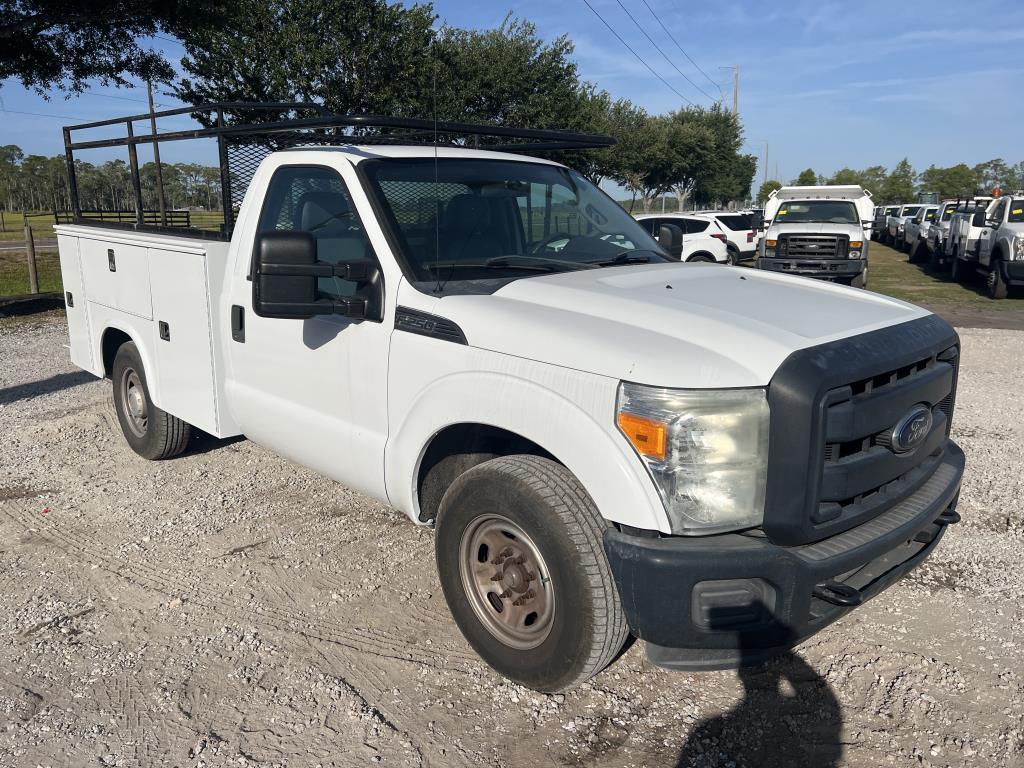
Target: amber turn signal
[646, 435]
[856, 243]
[770, 243]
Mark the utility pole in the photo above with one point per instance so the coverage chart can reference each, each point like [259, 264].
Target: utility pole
[766, 162]
[736, 89]
[156, 158]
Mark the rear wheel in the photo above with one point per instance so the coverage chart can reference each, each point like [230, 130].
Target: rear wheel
[151, 432]
[701, 257]
[523, 569]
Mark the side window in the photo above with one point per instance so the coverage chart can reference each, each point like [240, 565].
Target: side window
[1000, 209]
[314, 199]
[693, 226]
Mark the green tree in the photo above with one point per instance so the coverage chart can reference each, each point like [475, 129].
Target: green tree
[807, 178]
[47, 44]
[349, 55]
[767, 188]
[956, 181]
[898, 186]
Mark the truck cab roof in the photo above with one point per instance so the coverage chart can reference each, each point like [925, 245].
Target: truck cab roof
[357, 153]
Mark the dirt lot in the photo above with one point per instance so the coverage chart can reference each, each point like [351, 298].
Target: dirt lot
[229, 608]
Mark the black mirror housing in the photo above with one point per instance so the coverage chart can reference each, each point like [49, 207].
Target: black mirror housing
[670, 237]
[285, 274]
[979, 219]
[757, 221]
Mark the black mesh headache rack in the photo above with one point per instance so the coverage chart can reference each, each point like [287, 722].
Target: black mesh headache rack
[242, 145]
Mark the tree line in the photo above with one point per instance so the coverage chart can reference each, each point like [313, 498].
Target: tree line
[37, 183]
[903, 183]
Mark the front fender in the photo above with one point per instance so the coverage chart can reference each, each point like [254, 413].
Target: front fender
[568, 413]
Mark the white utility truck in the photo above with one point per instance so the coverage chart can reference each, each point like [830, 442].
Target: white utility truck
[818, 231]
[721, 461]
[998, 252]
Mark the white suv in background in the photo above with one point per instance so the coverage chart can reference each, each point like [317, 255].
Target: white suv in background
[737, 226]
[703, 239]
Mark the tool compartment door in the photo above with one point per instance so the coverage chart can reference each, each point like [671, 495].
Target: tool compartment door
[117, 275]
[184, 338]
[75, 305]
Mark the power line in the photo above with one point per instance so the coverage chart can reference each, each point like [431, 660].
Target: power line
[635, 54]
[40, 114]
[677, 45]
[658, 49]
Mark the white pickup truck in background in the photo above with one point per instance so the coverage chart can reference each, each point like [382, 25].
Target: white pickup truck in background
[915, 232]
[719, 460]
[818, 231]
[895, 224]
[998, 252]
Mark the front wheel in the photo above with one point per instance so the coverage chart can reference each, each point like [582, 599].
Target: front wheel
[523, 569]
[151, 432]
[861, 280]
[996, 286]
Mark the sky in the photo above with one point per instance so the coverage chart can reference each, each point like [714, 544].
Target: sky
[824, 85]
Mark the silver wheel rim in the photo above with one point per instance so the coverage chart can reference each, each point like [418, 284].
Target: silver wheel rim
[506, 582]
[133, 402]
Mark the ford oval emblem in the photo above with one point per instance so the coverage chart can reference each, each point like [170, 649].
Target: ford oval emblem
[912, 429]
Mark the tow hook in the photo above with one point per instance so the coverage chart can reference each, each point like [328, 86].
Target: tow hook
[838, 593]
[949, 517]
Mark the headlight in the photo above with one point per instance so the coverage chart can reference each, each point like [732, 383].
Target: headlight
[854, 254]
[769, 253]
[707, 451]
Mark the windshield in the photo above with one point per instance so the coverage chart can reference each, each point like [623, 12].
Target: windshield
[1016, 211]
[818, 211]
[947, 212]
[930, 215]
[910, 210]
[462, 220]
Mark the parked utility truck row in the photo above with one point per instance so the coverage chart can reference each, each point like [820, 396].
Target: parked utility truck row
[720, 461]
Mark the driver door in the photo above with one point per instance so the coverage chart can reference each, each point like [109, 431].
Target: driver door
[312, 389]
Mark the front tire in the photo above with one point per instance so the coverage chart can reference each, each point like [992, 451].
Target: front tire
[995, 285]
[523, 569]
[151, 432]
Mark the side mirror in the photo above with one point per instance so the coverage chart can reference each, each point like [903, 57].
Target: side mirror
[670, 237]
[979, 219]
[285, 273]
[757, 221]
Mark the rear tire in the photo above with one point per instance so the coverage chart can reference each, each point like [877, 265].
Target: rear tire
[522, 528]
[701, 257]
[151, 432]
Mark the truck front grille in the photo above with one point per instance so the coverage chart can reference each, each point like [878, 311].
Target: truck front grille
[831, 463]
[812, 246]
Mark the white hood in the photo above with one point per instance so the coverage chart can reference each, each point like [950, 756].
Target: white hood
[675, 325]
[814, 229]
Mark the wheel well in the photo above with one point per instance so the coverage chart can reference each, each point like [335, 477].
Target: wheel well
[458, 448]
[701, 256]
[113, 338]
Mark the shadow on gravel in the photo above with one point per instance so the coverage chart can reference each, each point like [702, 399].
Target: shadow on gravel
[789, 717]
[202, 442]
[44, 387]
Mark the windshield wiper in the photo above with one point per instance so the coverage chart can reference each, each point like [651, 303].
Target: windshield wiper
[626, 257]
[515, 260]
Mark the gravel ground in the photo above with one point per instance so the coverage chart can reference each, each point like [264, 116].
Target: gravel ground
[230, 608]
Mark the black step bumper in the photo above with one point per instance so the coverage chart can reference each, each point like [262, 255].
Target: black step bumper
[725, 601]
[832, 269]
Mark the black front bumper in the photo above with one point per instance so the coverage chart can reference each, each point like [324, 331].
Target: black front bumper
[832, 269]
[730, 600]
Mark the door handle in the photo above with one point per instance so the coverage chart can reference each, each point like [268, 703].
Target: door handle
[238, 323]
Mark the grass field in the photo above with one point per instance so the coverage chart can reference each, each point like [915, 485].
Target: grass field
[890, 273]
[14, 273]
[14, 227]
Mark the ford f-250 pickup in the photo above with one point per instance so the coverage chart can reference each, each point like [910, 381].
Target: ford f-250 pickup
[998, 238]
[720, 460]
